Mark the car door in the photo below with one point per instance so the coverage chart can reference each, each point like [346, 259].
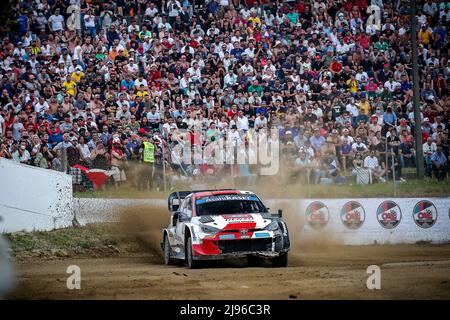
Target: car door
[186, 212]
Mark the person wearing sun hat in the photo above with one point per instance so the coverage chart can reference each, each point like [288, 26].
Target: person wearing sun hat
[118, 161]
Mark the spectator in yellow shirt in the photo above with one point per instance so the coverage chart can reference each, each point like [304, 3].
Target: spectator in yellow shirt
[77, 75]
[352, 84]
[254, 18]
[70, 86]
[141, 91]
[364, 109]
[34, 48]
[425, 35]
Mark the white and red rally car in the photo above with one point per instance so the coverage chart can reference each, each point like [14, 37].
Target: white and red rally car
[218, 224]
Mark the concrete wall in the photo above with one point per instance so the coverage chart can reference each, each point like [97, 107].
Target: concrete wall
[368, 231]
[33, 198]
[92, 210]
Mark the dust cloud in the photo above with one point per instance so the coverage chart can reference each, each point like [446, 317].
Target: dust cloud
[144, 223]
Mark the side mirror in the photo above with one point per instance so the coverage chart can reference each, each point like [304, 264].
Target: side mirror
[280, 213]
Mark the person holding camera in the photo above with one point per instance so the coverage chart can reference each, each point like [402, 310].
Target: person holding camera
[20, 153]
[173, 7]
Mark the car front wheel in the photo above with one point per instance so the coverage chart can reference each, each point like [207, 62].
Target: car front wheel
[191, 263]
[280, 261]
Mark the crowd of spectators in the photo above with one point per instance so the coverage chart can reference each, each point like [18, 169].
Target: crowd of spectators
[111, 83]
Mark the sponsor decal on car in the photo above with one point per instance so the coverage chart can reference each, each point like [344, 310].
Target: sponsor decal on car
[389, 214]
[226, 197]
[353, 215]
[262, 235]
[425, 214]
[226, 236]
[238, 218]
[317, 215]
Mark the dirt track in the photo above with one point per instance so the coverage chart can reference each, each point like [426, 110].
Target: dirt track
[335, 272]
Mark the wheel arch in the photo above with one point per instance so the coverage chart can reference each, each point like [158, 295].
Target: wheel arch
[187, 233]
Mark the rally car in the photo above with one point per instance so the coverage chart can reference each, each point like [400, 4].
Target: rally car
[225, 223]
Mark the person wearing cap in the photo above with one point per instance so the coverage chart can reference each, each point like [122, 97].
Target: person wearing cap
[19, 50]
[439, 163]
[425, 34]
[302, 165]
[77, 74]
[118, 162]
[317, 140]
[146, 156]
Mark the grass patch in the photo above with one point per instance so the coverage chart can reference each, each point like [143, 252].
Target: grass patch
[92, 236]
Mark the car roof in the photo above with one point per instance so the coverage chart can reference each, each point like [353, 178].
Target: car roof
[219, 192]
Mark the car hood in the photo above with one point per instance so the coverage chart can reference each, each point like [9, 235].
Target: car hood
[237, 221]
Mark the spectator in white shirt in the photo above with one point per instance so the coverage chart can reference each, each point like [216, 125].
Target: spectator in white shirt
[429, 148]
[151, 10]
[140, 81]
[430, 8]
[261, 122]
[391, 84]
[41, 106]
[371, 163]
[359, 146]
[242, 121]
[89, 23]
[230, 79]
[56, 21]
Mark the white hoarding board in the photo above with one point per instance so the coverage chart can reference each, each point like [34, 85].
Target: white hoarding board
[377, 220]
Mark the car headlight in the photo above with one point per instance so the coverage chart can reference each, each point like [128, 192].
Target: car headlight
[272, 226]
[209, 229]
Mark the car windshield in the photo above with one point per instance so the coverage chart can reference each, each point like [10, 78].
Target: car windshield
[229, 204]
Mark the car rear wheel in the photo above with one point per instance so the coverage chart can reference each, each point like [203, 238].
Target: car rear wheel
[191, 263]
[280, 261]
[168, 260]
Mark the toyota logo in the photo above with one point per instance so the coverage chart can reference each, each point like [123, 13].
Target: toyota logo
[243, 232]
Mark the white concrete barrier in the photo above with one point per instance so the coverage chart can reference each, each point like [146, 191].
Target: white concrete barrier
[352, 221]
[33, 198]
[92, 210]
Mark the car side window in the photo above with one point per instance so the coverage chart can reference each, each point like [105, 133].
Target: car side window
[188, 209]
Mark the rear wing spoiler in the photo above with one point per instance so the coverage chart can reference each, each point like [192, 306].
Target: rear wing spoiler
[175, 198]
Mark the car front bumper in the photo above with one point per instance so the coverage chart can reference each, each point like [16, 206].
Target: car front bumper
[221, 248]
